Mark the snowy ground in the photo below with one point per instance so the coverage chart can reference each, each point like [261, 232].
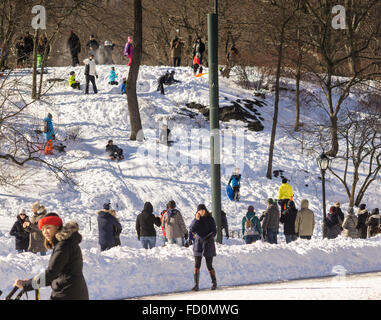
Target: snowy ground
[155, 173]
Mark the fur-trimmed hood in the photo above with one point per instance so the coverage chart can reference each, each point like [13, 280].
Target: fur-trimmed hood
[112, 212]
[365, 211]
[67, 231]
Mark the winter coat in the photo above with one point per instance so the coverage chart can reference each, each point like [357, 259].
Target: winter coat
[92, 45]
[305, 220]
[333, 223]
[92, 69]
[145, 222]
[176, 48]
[288, 218]
[22, 236]
[49, 135]
[271, 218]
[28, 44]
[255, 223]
[36, 239]
[41, 47]
[285, 191]
[198, 48]
[235, 180]
[123, 88]
[74, 44]
[205, 230]
[72, 80]
[349, 226]
[372, 223]
[128, 50]
[362, 216]
[108, 227]
[112, 76]
[20, 50]
[64, 273]
[173, 224]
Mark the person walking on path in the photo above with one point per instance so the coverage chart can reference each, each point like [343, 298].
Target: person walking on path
[288, 218]
[36, 239]
[362, 216]
[109, 227]
[285, 194]
[18, 231]
[74, 45]
[90, 73]
[145, 229]
[270, 224]
[204, 228]
[305, 221]
[65, 270]
[174, 226]
[350, 225]
[251, 227]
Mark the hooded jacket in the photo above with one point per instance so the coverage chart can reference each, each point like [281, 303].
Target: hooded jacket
[305, 220]
[205, 230]
[271, 218]
[250, 215]
[64, 273]
[285, 191]
[145, 222]
[288, 218]
[373, 223]
[22, 236]
[112, 76]
[36, 239]
[49, 135]
[350, 226]
[173, 224]
[334, 223]
[362, 216]
[74, 44]
[108, 226]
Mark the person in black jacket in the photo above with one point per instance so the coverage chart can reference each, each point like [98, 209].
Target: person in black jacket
[145, 222]
[114, 151]
[224, 224]
[28, 46]
[64, 273]
[92, 47]
[109, 227]
[199, 47]
[75, 48]
[22, 236]
[205, 229]
[362, 216]
[288, 218]
[161, 81]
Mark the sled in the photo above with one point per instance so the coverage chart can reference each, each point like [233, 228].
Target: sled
[200, 74]
[229, 192]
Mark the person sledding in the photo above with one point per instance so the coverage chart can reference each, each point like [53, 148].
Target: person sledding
[235, 180]
[114, 151]
[112, 77]
[171, 78]
[123, 88]
[285, 194]
[49, 134]
[197, 67]
[161, 81]
[72, 82]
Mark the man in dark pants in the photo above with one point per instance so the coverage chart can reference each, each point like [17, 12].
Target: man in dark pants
[75, 48]
[161, 81]
[90, 73]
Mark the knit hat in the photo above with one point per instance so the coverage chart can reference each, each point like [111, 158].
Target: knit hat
[362, 206]
[284, 180]
[270, 200]
[52, 219]
[350, 210]
[201, 207]
[35, 206]
[22, 211]
[106, 205]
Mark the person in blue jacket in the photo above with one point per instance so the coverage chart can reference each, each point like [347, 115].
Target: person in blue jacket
[123, 88]
[112, 77]
[204, 228]
[109, 227]
[49, 133]
[235, 180]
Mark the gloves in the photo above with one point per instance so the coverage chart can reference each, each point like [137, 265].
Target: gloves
[186, 235]
[96, 76]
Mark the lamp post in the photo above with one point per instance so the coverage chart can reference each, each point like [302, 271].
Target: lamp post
[323, 162]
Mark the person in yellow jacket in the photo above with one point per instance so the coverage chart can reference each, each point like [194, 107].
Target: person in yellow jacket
[285, 194]
[72, 82]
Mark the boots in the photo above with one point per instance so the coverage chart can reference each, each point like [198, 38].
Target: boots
[214, 280]
[196, 277]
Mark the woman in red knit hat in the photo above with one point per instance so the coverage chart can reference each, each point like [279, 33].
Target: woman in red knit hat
[64, 273]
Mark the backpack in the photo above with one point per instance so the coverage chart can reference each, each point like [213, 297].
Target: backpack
[250, 228]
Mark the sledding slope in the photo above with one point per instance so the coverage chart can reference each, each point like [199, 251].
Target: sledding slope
[156, 173]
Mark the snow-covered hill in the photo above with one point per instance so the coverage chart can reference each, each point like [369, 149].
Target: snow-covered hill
[153, 172]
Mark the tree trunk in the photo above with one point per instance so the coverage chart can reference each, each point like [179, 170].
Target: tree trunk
[34, 65]
[132, 98]
[334, 137]
[276, 105]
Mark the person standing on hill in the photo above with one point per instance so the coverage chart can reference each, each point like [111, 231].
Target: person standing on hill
[285, 194]
[350, 225]
[174, 226]
[109, 227]
[288, 218]
[176, 50]
[305, 221]
[270, 224]
[145, 230]
[235, 180]
[128, 51]
[362, 216]
[373, 223]
[334, 223]
[18, 231]
[204, 227]
[92, 47]
[49, 134]
[251, 227]
[36, 239]
[75, 48]
[90, 73]
[28, 46]
[199, 48]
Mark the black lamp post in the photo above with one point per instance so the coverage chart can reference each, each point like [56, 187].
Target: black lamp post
[323, 163]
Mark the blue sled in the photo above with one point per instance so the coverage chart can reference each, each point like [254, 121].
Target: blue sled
[229, 192]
